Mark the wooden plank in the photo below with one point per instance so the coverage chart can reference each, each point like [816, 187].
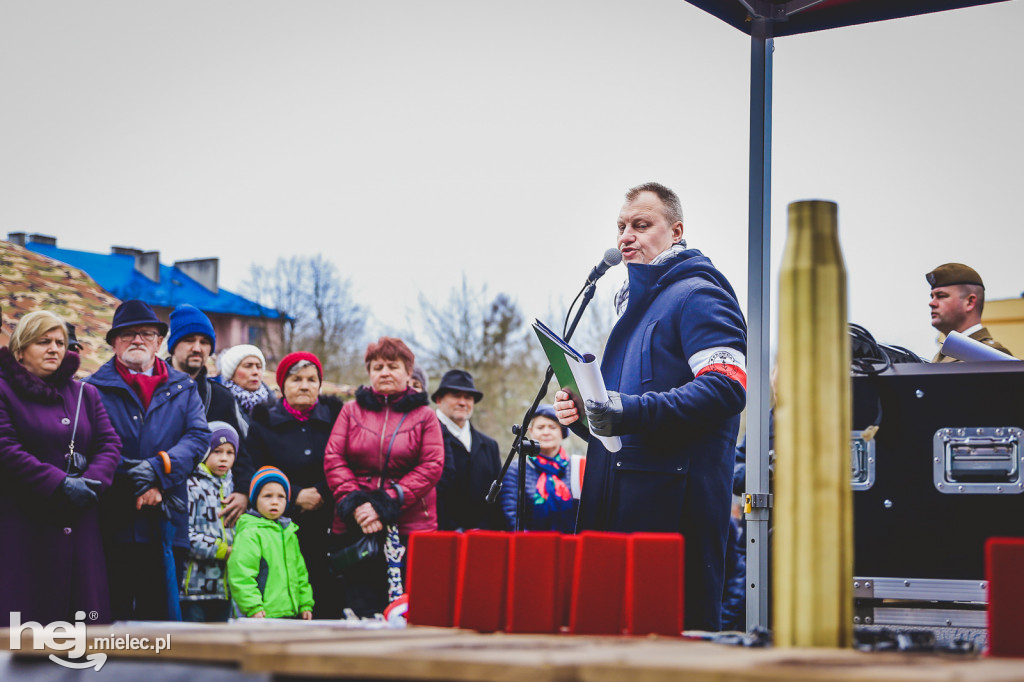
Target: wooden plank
[536, 658]
[700, 662]
[425, 653]
[470, 656]
[225, 642]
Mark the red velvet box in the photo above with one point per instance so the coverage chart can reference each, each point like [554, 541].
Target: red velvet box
[532, 604]
[481, 582]
[430, 578]
[1004, 570]
[566, 577]
[654, 584]
[600, 580]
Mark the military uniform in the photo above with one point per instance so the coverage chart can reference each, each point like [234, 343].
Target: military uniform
[982, 335]
[951, 274]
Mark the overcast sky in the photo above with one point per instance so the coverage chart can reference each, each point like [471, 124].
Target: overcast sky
[413, 141]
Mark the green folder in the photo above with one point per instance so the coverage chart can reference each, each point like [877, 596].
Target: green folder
[557, 349]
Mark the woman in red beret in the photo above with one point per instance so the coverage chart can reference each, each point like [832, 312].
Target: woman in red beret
[291, 435]
[383, 461]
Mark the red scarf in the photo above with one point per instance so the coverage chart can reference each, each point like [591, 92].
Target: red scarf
[143, 385]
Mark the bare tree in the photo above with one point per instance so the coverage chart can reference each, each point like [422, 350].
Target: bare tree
[596, 324]
[509, 368]
[487, 338]
[322, 316]
[454, 329]
[280, 288]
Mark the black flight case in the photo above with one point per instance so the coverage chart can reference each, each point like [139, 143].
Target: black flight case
[942, 474]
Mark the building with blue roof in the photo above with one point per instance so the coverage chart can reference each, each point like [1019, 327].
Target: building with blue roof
[128, 273]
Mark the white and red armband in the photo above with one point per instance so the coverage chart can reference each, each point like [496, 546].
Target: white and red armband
[723, 360]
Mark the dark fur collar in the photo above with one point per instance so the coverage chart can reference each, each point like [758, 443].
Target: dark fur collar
[272, 414]
[368, 400]
[32, 387]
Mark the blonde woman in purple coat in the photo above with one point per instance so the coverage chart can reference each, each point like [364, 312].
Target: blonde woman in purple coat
[58, 453]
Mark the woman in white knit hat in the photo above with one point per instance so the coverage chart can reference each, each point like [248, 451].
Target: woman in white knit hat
[241, 370]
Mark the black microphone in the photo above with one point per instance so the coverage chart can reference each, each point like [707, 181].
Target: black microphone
[612, 257]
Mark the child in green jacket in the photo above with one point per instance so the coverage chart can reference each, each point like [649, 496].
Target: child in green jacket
[266, 571]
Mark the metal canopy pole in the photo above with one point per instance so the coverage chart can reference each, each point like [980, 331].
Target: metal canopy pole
[758, 321]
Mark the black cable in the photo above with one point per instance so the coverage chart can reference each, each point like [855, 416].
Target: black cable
[901, 354]
[568, 313]
[866, 353]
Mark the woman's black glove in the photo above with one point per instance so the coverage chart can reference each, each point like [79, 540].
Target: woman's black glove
[82, 493]
[388, 509]
[143, 477]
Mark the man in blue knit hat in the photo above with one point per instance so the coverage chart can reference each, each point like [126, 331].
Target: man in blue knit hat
[190, 343]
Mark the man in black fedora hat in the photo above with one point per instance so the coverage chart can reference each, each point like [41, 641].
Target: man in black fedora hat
[156, 411]
[472, 461]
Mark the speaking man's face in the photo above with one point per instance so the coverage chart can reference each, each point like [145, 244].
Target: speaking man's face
[644, 231]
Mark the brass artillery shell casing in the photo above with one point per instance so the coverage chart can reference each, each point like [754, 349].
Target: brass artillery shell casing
[813, 536]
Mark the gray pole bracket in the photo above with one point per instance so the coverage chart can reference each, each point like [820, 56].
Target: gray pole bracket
[753, 501]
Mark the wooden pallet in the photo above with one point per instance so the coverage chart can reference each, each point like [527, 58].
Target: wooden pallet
[422, 653]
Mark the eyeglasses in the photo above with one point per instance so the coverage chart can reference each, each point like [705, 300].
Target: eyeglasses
[147, 335]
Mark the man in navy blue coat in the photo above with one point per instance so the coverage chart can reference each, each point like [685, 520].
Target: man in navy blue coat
[156, 411]
[675, 370]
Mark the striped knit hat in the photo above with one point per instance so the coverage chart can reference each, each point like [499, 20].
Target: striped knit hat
[268, 475]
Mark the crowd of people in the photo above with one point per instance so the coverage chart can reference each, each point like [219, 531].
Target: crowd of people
[151, 490]
[165, 493]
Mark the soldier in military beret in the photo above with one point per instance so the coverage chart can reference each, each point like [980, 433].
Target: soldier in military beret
[958, 297]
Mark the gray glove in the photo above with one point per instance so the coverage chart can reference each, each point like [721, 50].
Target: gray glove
[143, 477]
[81, 492]
[604, 417]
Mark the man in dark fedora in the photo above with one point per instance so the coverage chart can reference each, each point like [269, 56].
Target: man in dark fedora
[156, 411]
[957, 301]
[472, 461]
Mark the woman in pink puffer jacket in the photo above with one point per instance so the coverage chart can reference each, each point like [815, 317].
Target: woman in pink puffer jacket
[383, 461]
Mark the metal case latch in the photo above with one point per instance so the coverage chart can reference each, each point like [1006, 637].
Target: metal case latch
[980, 460]
[862, 461]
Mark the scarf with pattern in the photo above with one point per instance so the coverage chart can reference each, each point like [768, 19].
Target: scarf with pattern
[246, 398]
[552, 493]
[622, 298]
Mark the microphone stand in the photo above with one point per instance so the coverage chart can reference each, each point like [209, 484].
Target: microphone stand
[522, 445]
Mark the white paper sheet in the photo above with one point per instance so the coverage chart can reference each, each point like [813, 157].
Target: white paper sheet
[967, 349]
[591, 385]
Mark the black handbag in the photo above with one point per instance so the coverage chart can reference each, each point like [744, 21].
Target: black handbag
[340, 560]
[76, 462]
